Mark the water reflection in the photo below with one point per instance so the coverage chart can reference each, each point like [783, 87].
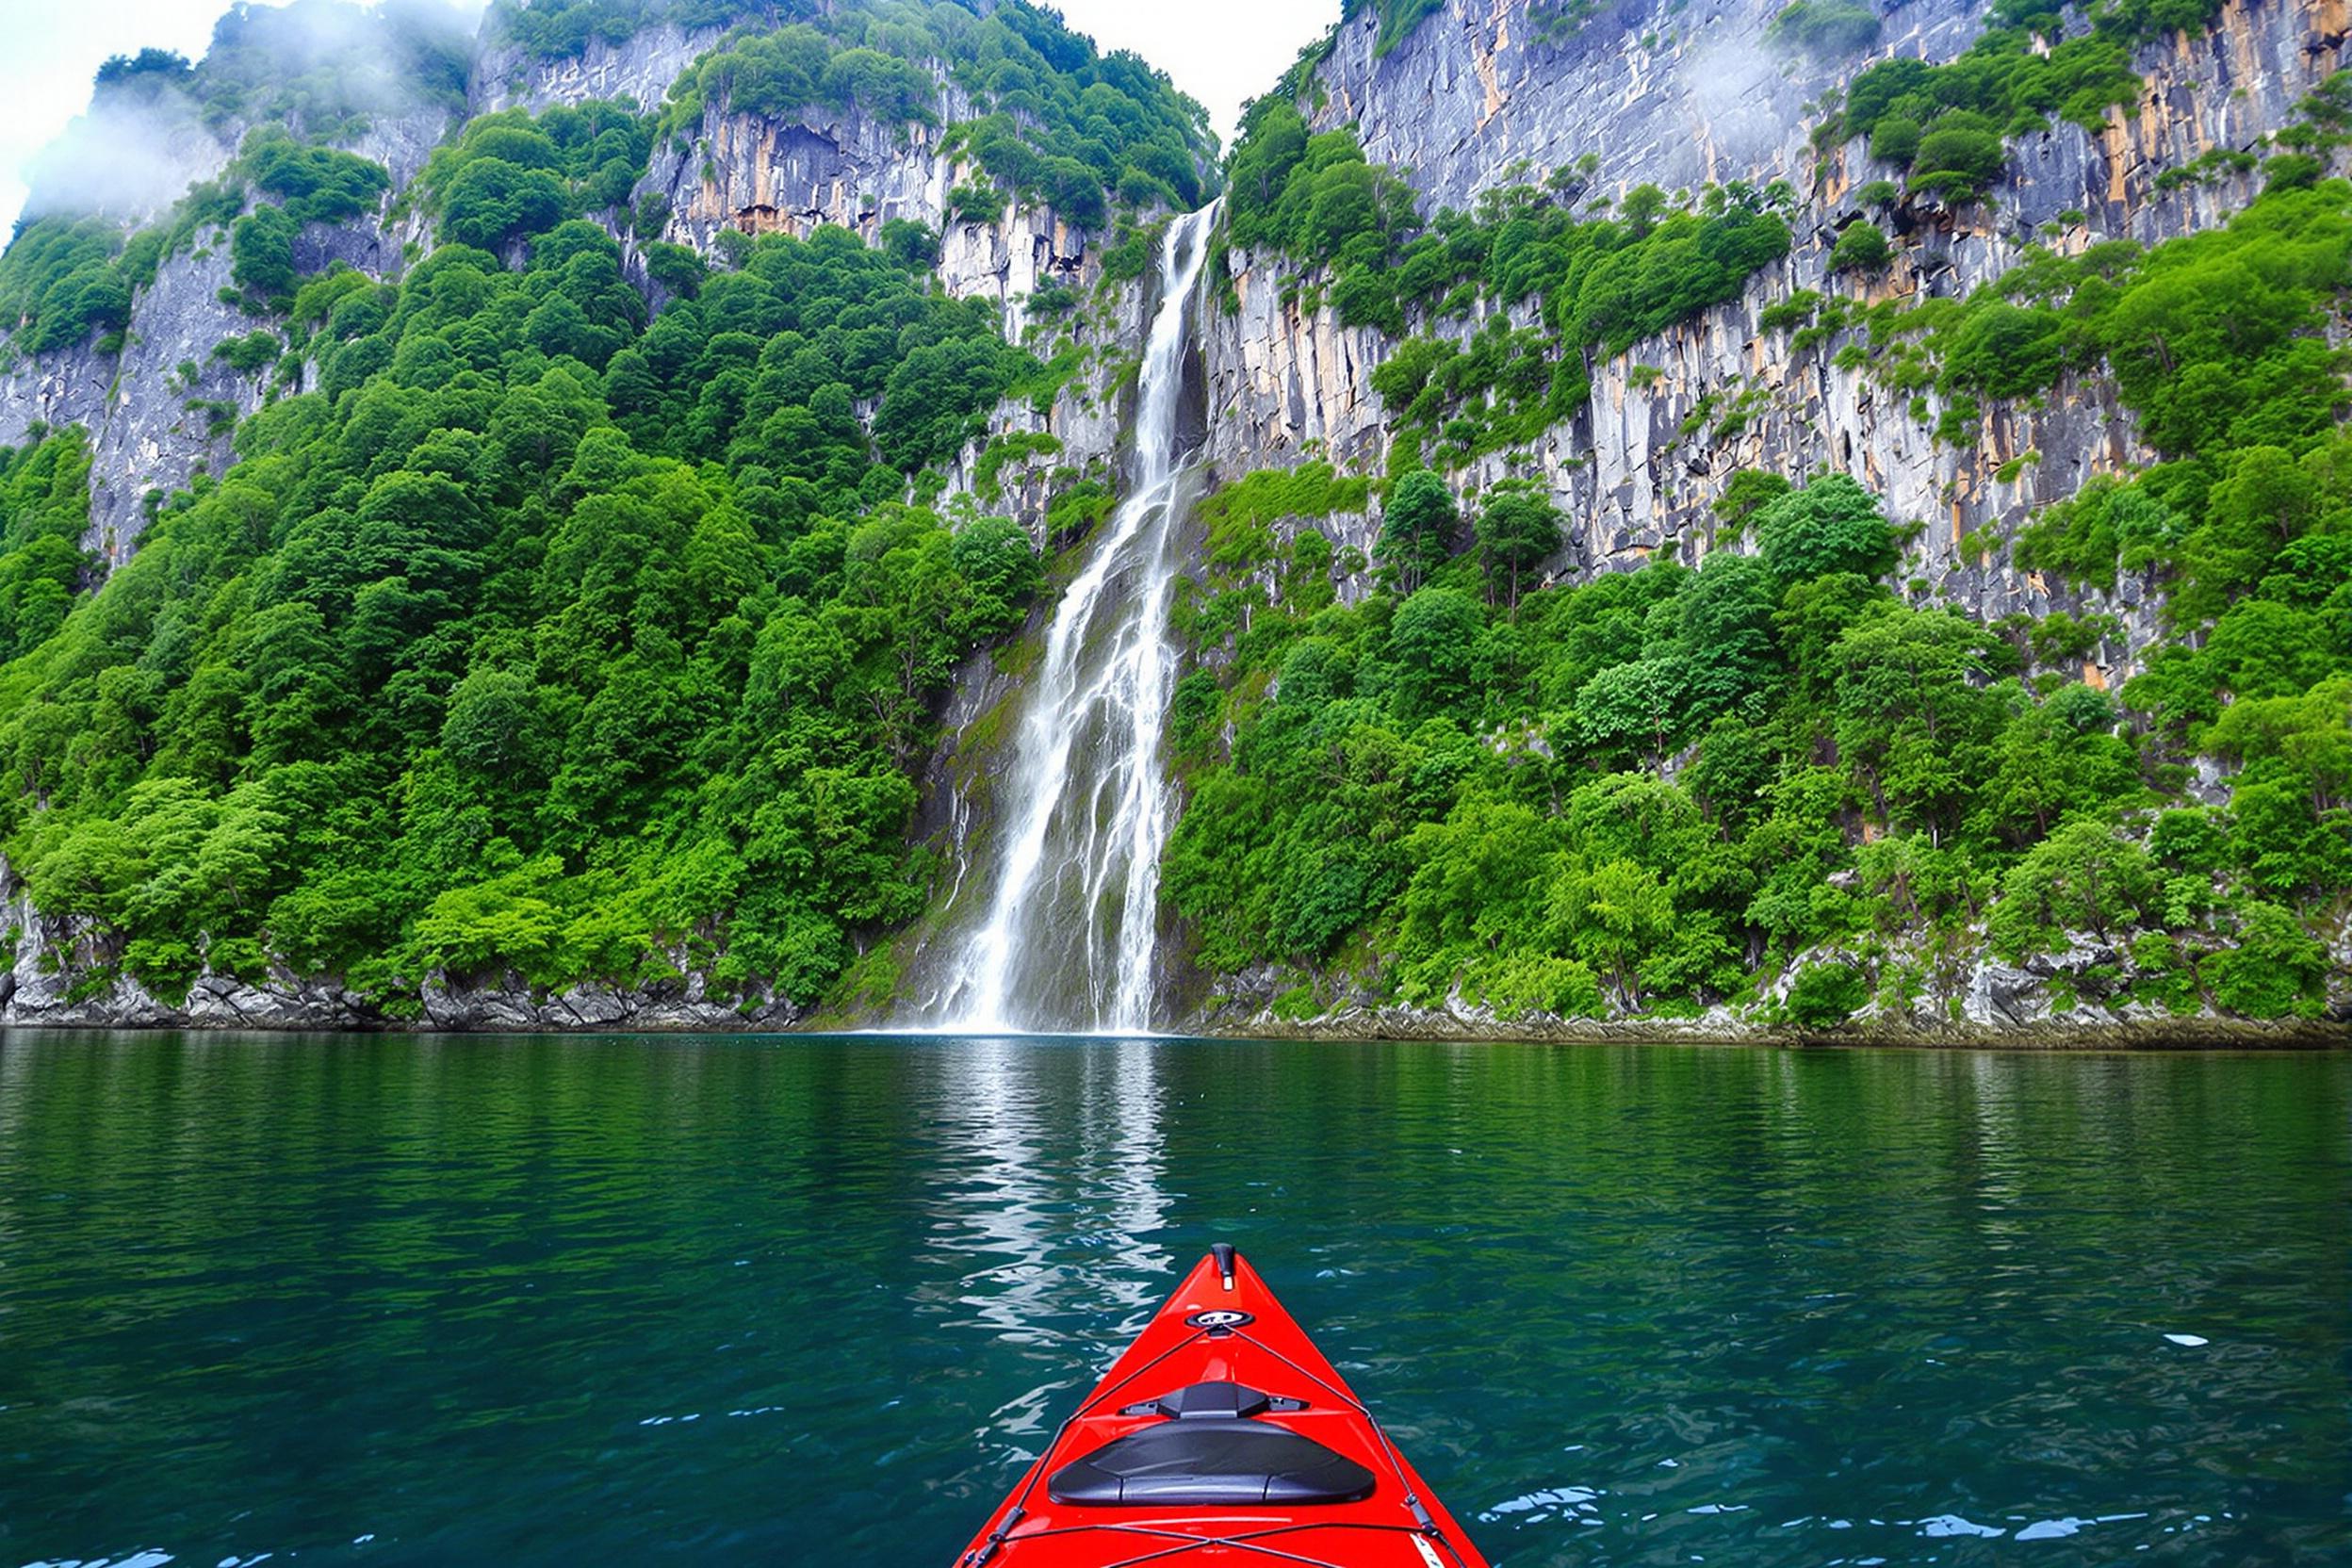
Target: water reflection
[1057, 1189]
[1050, 1193]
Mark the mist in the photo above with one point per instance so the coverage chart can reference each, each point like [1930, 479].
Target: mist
[321, 67]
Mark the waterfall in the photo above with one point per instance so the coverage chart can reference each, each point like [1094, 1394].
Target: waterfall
[1069, 935]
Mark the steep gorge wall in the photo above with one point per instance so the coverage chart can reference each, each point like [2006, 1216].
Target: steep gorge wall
[638, 69]
[1638, 470]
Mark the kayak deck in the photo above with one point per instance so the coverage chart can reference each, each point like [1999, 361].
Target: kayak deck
[1221, 1434]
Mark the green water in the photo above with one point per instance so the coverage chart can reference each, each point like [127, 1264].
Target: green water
[606, 1302]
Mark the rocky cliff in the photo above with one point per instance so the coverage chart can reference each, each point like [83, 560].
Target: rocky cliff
[161, 411]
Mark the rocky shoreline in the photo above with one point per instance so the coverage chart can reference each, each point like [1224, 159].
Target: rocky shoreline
[287, 1004]
[2208, 1032]
[293, 1006]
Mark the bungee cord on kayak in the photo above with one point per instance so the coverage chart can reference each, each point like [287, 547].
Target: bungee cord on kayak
[1257, 1441]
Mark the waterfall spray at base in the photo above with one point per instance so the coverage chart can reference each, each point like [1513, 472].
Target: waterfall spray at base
[1068, 938]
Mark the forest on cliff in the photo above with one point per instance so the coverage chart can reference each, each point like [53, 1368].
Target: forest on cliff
[581, 607]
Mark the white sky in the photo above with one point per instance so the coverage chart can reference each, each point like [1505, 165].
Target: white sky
[1219, 50]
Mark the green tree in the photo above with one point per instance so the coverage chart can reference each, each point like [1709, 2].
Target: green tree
[2083, 878]
[1417, 528]
[1825, 995]
[1861, 248]
[1831, 525]
[1636, 707]
[1516, 532]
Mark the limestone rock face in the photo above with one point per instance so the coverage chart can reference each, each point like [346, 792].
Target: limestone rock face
[638, 69]
[848, 170]
[1483, 95]
[151, 421]
[1492, 92]
[144, 436]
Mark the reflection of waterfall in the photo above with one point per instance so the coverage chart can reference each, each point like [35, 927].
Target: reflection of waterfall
[1068, 938]
[1054, 1195]
[1062, 1199]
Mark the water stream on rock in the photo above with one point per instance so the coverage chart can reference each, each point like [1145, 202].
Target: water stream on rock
[1070, 925]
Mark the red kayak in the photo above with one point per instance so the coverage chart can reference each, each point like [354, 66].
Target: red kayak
[1221, 1434]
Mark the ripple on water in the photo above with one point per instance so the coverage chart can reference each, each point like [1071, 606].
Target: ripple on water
[462, 1295]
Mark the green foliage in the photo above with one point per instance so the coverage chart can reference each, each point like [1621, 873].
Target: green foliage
[1945, 124]
[2213, 340]
[559, 29]
[61, 283]
[262, 252]
[912, 245]
[2213, 164]
[1417, 528]
[1957, 159]
[1516, 530]
[542, 643]
[775, 75]
[2082, 878]
[255, 351]
[1240, 516]
[1020, 447]
[509, 176]
[1313, 196]
[1747, 492]
[315, 185]
[1826, 995]
[1861, 248]
[1654, 789]
[2275, 968]
[1830, 526]
[45, 513]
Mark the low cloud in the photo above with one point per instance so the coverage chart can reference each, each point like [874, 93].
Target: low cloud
[124, 159]
[325, 63]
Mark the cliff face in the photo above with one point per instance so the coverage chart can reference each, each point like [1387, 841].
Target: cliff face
[638, 69]
[1478, 98]
[146, 437]
[762, 176]
[151, 421]
[1486, 93]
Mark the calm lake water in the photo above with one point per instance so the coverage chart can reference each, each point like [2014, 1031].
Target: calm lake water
[716, 1302]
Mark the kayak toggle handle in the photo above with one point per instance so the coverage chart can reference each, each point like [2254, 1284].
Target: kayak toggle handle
[996, 1537]
[1223, 1253]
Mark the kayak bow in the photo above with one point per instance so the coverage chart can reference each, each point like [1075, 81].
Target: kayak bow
[1222, 1432]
